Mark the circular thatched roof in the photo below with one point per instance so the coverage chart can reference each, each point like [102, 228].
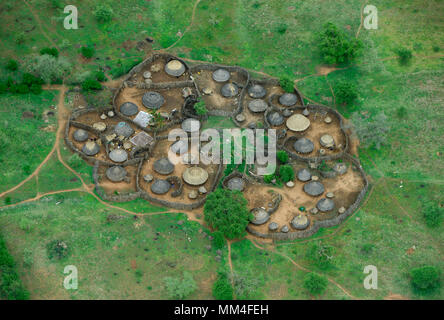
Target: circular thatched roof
[118, 155]
[303, 145]
[327, 141]
[80, 135]
[275, 118]
[257, 105]
[288, 99]
[298, 123]
[190, 125]
[90, 148]
[179, 147]
[229, 90]
[304, 175]
[163, 166]
[300, 222]
[175, 68]
[195, 176]
[123, 129]
[236, 183]
[325, 205]
[314, 188]
[129, 109]
[257, 91]
[260, 216]
[116, 173]
[160, 186]
[221, 75]
[153, 100]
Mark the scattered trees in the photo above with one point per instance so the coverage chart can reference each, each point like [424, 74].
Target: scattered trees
[180, 288]
[315, 283]
[336, 46]
[226, 211]
[371, 132]
[425, 280]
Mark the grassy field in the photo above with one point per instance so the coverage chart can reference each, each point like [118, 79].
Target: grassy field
[276, 37]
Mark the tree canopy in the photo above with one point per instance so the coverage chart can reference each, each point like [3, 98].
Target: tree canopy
[226, 211]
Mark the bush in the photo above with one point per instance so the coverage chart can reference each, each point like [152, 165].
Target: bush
[346, 92]
[47, 68]
[57, 249]
[87, 51]
[336, 46]
[100, 76]
[50, 51]
[75, 161]
[401, 112]
[11, 287]
[404, 55]
[103, 13]
[218, 240]
[321, 255]
[200, 108]
[425, 280]
[433, 214]
[367, 248]
[282, 28]
[286, 84]
[180, 288]
[226, 211]
[91, 84]
[222, 289]
[315, 283]
[282, 156]
[269, 178]
[286, 173]
[371, 132]
[11, 65]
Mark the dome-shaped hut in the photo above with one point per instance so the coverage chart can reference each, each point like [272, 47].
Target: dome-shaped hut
[303, 145]
[221, 75]
[195, 176]
[314, 188]
[288, 99]
[257, 105]
[116, 173]
[129, 109]
[90, 148]
[80, 135]
[304, 175]
[175, 68]
[229, 90]
[300, 222]
[260, 216]
[163, 166]
[236, 183]
[257, 91]
[153, 100]
[160, 186]
[118, 155]
[275, 118]
[325, 205]
[298, 123]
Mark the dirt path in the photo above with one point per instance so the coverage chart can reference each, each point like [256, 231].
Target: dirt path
[362, 18]
[230, 264]
[188, 27]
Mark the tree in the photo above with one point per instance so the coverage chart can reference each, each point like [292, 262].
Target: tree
[226, 211]
[282, 156]
[433, 214]
[371, 132]
[50, 51]
[286, 84]
[336, 46]
[11, 65]
[425, 280]
[103, 13]
[345, 92]
[91, 84]
[57, 249]
[321, 255]
[87, 51]
[404, 55]
[315, 283]
[222, 289]
[218, 240]
[200, 108]
[180, 288]
[286, 173]
[48, 68]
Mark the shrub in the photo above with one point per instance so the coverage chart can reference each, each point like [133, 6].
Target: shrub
[91, 84]
[11, 65]
[371, 132]
[180, 288]
[346, 92]
[50, 51]
[87, 51]
[200, 108]
[315, 283]
[100, 76]
[269, 178]
[367, 248]
[47, 68]
[401, 112]
[433, 214]
[226, 211]
[425, 280]
[321, 255]
[336, 46]
[286, 173]
[286, 84]
[57, 249]
[282, 28]
[75, 161]
[103, 13]
[29, 79]
[404, 55]
[218, 240]
[222, 289]
[282, 156]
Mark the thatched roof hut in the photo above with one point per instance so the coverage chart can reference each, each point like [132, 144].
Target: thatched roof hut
[129, 109]
[303, 145]
[236, 183]
[260, 216]
[257, 91]
[298, 123]
[80, 135]
[163, 166]
[160, 186]
[123, 129]
[90, 148]
[288, 99]
[175, 68]
[221, 75]
[153, 100]
[257, 105]
[314, 188]
[118, 155]
[275, 118]
[229, 90]
[325, 205]
[300, 222]
[304, 175]
[195, 176]
[116, 173]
